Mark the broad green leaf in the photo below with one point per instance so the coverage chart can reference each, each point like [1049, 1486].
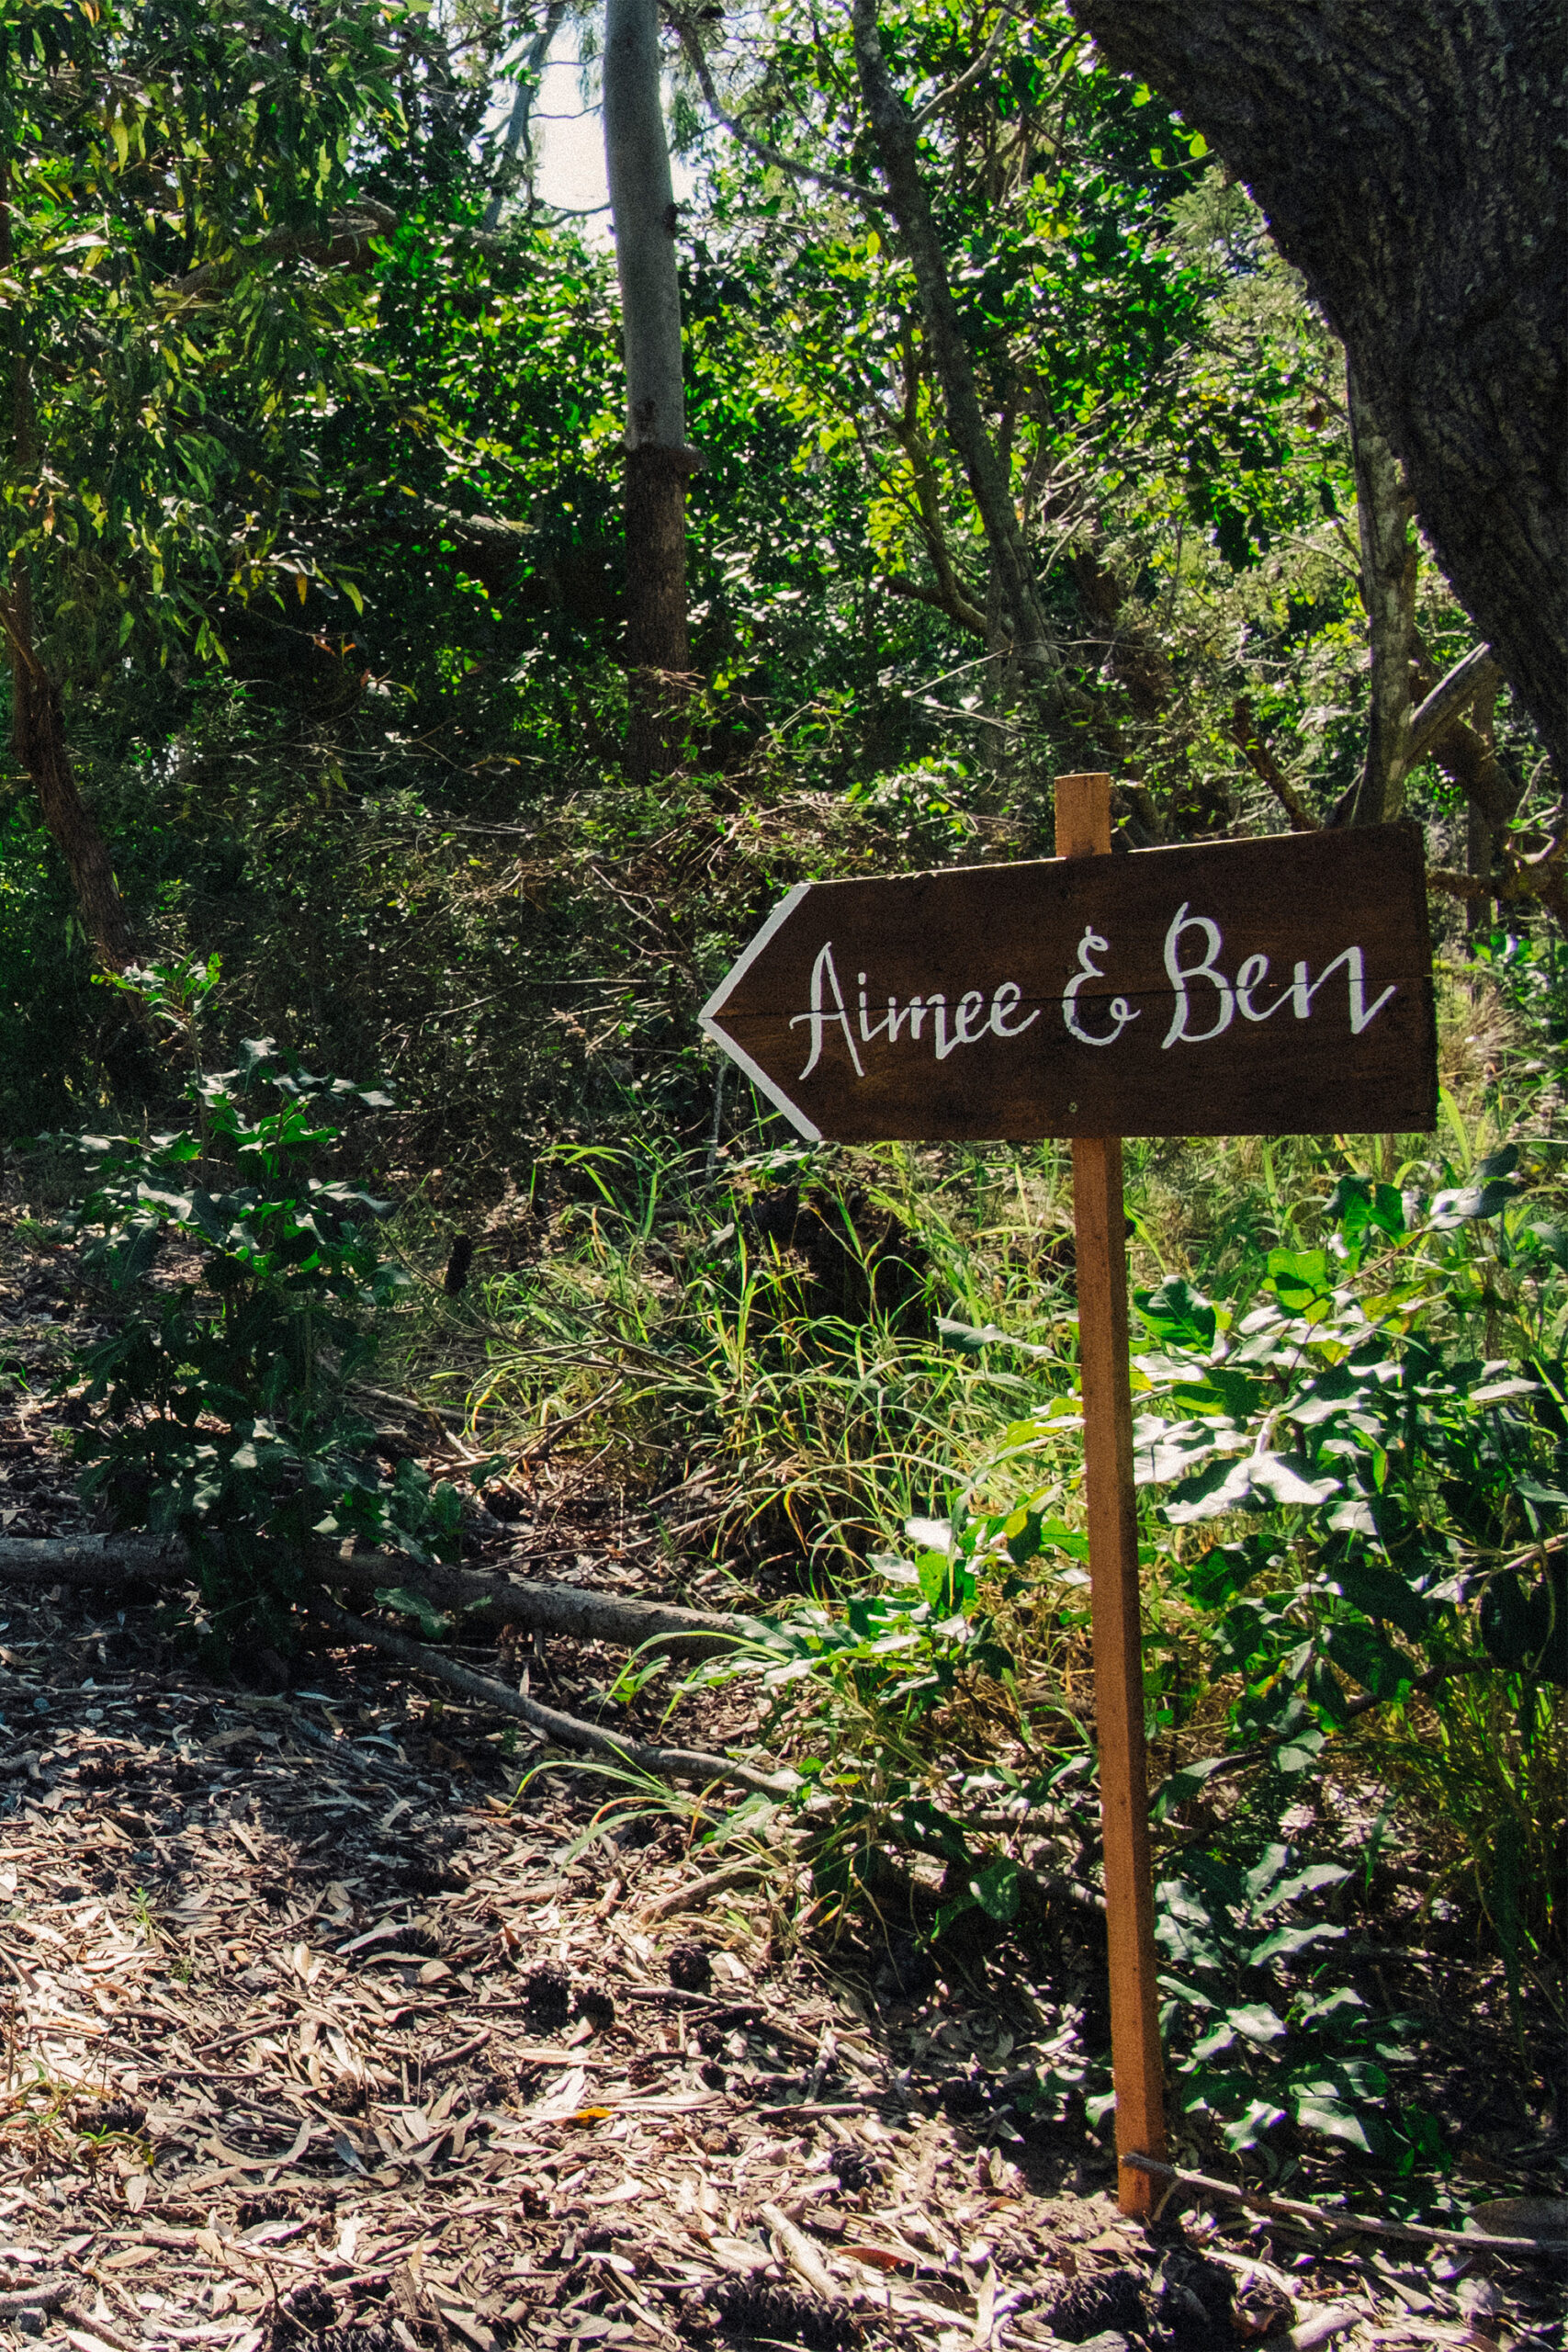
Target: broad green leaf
[1325, 2111]
[1299, 1277]
[996, 1890]
[1378, 1593]
[1257, 2021]
[432, 1623]
[1286, 1941]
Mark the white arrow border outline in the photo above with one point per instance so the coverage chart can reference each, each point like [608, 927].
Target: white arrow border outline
[707, 1019]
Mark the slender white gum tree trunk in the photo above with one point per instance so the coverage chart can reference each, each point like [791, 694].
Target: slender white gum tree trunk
[642, 205]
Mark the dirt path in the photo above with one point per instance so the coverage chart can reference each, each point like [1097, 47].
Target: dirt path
[319, 2033]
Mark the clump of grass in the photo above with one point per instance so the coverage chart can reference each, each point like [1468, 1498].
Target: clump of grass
[1488, 1772]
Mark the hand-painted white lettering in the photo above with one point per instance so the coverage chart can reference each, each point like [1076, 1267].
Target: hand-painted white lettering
[971, 1009]
[973, 1018]
[1252, 974]
[944, 1044]
[1304, 990]
[1004, 1004]
[1207, 970]
[1090, 945]
[824, 977]
[870, 1029]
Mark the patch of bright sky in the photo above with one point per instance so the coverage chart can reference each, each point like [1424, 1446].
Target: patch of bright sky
[570, 142]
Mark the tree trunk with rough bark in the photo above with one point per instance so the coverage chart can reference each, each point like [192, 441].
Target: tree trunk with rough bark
[38, 721]
[1406, 154]
[642, 203]
[893, 128]
[1383, 508]
[37, 739]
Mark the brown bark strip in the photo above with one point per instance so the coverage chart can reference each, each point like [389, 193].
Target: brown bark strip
[1383, 508]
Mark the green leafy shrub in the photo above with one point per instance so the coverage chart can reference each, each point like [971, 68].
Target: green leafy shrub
[1237, 1945]
[1406, 1487]
[241, 1288]
[1385, 1499]
[1347, 1507]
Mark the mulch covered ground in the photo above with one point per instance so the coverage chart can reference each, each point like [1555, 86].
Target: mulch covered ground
[318, 2032]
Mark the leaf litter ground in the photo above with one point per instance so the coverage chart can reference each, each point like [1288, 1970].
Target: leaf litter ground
[316, 2038]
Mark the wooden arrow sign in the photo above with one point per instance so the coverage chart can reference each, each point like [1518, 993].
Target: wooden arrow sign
[1274, 987]
[1245, 988]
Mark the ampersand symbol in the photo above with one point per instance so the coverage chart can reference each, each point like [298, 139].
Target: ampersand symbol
[1090, 945]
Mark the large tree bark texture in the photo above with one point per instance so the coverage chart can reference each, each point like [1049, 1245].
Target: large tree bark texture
[642, 202]
[893, 129]
[1407, 155]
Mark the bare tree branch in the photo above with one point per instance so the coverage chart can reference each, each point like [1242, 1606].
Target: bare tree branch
[663, 1763]
[897, 149]
[835, 181]
[949, 599]
[969, 76]
[345, 241]
[1450, 698]
[1244, 733]
[1389, 562]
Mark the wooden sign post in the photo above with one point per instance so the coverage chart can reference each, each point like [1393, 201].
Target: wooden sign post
[1100, 1232]
[1277, 987]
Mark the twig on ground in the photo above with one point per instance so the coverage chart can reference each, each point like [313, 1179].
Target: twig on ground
[697, 1890]
[802, 2255]
[43, 2295]
[1345, 2224]
[662, 1763]
[1318, 2327]
[456, 2056]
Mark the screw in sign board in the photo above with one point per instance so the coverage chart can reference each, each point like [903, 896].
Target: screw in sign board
[1271, 986]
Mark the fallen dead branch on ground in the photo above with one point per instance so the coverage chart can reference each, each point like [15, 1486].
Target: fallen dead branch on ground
[643, 1756]
[1320, 2327]
[1475, 2241]
[486, 1603]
